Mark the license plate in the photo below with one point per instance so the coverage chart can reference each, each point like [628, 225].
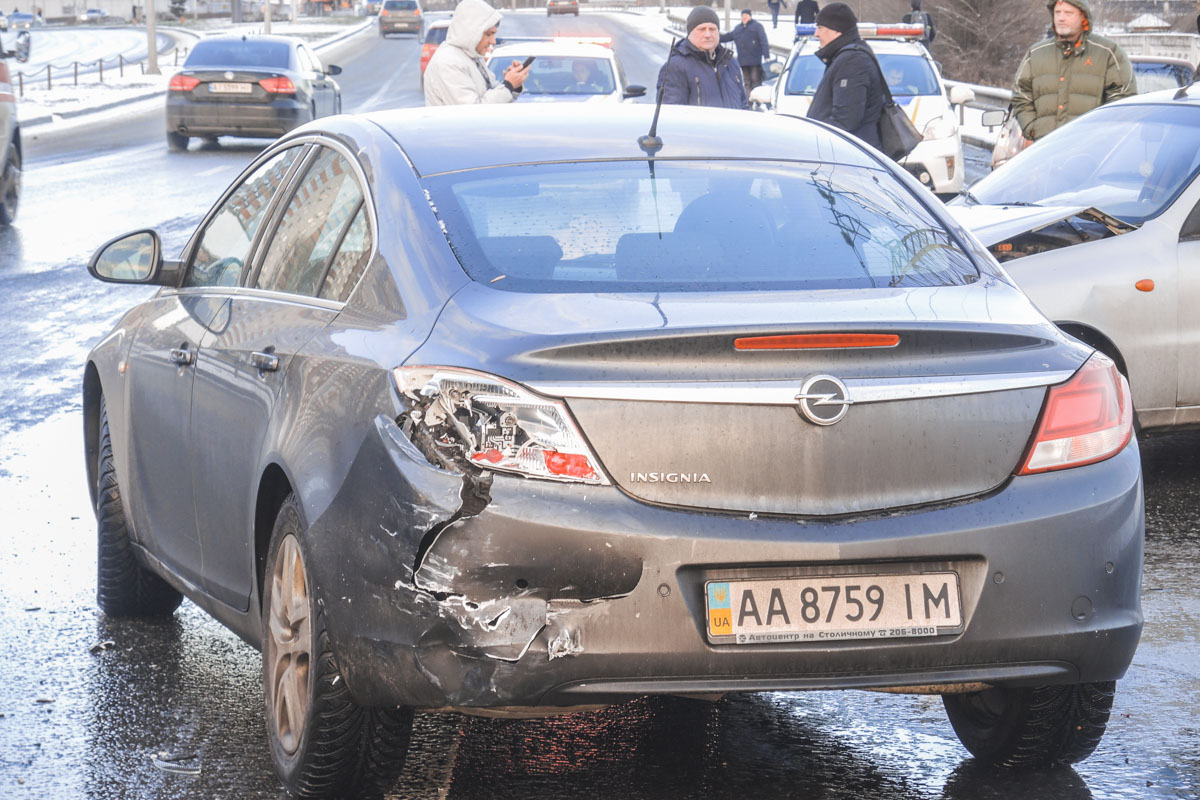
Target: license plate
[230, 88]
[830, 609]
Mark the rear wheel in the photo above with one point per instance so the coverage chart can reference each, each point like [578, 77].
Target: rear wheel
[124, 588]
[176, 142]
[1035, 726]
[322, 743]
[10, 186]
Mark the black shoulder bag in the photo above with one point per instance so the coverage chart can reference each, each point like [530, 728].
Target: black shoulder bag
[897, 134]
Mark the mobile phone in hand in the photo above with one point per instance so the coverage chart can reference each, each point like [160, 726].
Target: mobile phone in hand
[527, 62]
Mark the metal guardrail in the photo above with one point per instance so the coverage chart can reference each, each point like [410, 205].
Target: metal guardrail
[73, 69]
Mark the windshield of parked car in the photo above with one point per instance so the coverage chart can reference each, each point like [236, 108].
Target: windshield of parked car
[560, 75]
[239, 53]
[1153, 76]
[907, 76]
[693, 226]
[1129, 161]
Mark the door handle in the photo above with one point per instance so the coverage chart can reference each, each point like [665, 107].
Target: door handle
[264, 361]
[182, 356]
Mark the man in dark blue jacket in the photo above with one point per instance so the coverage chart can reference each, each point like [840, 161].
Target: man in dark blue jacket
[850, 94]
[699, 71]
[806, 11]
[750, 37]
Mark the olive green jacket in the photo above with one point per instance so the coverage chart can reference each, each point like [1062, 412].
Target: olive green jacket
[1058, 81]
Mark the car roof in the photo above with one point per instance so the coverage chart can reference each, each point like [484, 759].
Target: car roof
[450, 138]
[553, 48]
[250, 37]
[1177, 62]
[1163, 97]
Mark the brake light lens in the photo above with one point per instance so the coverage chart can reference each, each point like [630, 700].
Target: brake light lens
[183, 83]
[383, 13]
[1087, 419]
[280, 85]
[497, 424]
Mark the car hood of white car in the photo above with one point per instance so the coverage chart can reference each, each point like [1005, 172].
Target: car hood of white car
[992, 224]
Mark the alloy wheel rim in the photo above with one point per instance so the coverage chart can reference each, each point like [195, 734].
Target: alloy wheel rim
[290, 645]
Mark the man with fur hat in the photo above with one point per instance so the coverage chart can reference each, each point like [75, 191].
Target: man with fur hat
[850, 94]
[750, 38]
[458, 74]
[1069, 73]
[699, 71]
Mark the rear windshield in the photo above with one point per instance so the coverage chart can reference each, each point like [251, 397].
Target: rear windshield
[619, 226]
[558, 75]
[436, 35]
[400, 5]
[1151, 77]
[244, 53]
[907, 76]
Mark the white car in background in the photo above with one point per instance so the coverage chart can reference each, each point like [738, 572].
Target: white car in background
[566, 69]
[915, 83]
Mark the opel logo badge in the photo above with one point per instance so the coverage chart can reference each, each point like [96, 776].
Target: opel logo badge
[823, 400]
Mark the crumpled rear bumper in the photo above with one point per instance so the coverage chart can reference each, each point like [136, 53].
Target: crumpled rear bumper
[548, 594]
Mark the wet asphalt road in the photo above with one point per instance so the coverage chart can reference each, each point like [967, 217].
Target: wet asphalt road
[115, 709]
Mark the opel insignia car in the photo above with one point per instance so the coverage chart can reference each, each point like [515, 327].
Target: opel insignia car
[522, 410]
[916, 85]
[10, 127]
[258, 86]
[1099, 224]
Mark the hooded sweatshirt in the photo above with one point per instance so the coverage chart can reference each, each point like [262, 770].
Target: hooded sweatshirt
[1058, 81]
[456, 74]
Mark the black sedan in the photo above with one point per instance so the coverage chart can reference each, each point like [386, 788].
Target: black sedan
[521, 410]
[255, 86]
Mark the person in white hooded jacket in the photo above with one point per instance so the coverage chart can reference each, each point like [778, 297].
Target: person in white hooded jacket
[458, 73]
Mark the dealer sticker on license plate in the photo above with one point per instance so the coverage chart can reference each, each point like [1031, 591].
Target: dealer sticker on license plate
[230, 88]
[825, 609]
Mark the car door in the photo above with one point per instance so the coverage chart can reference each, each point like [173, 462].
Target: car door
[245, 362]
[321, 88]
[1189, 297]
[161, 367]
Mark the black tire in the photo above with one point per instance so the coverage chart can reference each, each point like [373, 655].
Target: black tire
[1038, 726]
[10, 186]
[329, 746]
[177, 142]
[124, 588]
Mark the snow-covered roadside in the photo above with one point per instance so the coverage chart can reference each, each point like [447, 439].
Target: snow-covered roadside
[65, 101]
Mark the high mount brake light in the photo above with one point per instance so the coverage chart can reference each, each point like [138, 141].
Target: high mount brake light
[816, 341]
[498, 424]
[1087, 419]
[280, 85]
[183, 83]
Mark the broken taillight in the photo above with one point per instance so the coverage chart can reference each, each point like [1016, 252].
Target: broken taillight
[497, 424]
[1087, 419]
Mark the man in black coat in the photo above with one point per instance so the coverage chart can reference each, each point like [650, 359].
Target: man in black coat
[850, 94]
[699, 71]
[750, 37]
[806, 12]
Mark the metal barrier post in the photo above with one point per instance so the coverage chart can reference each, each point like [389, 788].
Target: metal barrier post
[76, 63]
[47, 76]
[21, 82]
[101, 63]
[121, 64]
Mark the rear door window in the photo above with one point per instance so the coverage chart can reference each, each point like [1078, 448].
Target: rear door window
[312, 227]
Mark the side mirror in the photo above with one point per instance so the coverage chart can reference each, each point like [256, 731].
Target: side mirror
[774, 67]
[24, 40]
[961, 95]
[134, 258]
[635, 91]
[762, 96]
[992, 117]
[333, 69]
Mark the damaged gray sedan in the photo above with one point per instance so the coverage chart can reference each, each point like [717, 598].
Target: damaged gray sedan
[523, 411]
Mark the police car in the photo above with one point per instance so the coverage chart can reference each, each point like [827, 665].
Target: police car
[566, 69]
[10, 129]
[915, 82]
